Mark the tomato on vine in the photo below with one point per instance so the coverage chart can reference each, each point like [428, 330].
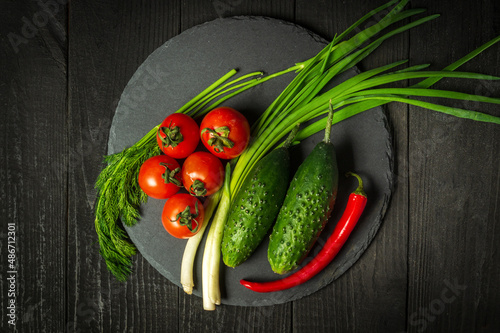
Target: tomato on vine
[202, 174]
[160, 177]
[178, 135]
[225, 132]
[183, 215]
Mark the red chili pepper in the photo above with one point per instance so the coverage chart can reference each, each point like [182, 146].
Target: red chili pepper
[355, 206]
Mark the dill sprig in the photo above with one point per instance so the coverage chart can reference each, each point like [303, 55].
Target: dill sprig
[119, 199]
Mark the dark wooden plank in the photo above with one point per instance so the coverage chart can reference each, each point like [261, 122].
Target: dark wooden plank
[108, 41]
[194, 12]
[284, 10]
[370, 297]
[226, 318]
[33, 182]
[454, 182]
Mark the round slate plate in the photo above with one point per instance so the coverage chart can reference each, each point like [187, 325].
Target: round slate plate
[191, 61]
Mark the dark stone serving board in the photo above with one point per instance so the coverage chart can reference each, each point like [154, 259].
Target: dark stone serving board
[191, 61]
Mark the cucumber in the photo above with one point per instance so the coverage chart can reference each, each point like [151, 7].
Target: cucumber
[307, 206]
[256, 205]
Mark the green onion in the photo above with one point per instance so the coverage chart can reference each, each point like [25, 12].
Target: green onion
[192, 244]
[211, 256]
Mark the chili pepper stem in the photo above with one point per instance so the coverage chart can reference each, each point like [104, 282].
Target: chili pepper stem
[360, 190]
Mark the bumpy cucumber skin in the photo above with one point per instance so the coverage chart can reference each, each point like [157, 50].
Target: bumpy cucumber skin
[255, 207]
[307, 206]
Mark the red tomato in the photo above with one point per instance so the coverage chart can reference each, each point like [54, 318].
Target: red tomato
[202, 174]
[225, 132]
[178, 135]
[160, 177]
[183, 215]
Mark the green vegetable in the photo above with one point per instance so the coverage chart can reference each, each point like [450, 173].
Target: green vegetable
[255, 207]
[211, 259]
[188, 258]
[308, 204]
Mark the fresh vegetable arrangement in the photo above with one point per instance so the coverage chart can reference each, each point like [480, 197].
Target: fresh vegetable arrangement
[234, 232]
[118, 192]
[352, 213]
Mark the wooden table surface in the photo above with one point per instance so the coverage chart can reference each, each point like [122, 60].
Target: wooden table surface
[433, 267]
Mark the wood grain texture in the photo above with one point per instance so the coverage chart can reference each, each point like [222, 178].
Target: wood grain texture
[284, 10]
[433, 266]
[34, 165]
[454, 183]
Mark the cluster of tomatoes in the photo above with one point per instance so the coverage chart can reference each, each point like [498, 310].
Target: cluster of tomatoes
[224, 132]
